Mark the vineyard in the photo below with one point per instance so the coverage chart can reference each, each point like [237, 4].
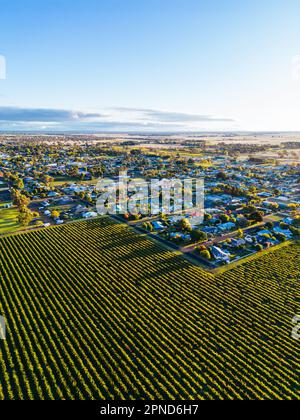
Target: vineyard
[95, 311]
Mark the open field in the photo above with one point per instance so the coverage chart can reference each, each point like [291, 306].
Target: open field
[9, 221]
[94, 310]
[62, 180]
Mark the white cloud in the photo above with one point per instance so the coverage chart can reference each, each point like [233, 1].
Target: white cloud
[115, 119]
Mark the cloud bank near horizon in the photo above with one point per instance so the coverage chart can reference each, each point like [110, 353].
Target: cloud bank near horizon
[113, 119]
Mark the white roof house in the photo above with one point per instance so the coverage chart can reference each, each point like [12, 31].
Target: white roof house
[220, 255]
[89, 214]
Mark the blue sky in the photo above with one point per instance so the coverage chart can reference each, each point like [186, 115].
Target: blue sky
[153, 65]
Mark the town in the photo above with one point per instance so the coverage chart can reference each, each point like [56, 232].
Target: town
[251, 197]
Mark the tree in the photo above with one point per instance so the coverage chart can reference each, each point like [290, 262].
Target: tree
[224, 218]
[207, 217]
[19, 184]
[281, 237]
[240, 234]
[205, 254]
[296, 222]
[295, 231]
[185, 225]
[89, 198]
[20, 200]
[48, 180]
[269, 225]
[198, 236]
[274, 206]
[150, 227]
[202, 248]
[284, 226]
[55, 214]
[257, 216]
[25, 217]
[249, 209]
[73, 172]
[243, 222]
[222, 176]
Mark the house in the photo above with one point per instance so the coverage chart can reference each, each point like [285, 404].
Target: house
[287, 233]
[249, 239]
[226, 226]
[282, 199]
[64, 200]
[288, 221]
[209, 229]
[242, 221]
[175, 219]
[238, 242]
[264, 194]
[52, 194]
[220, 255]
[158, 225]
[45, 204]
[89, 214]
[182, 236]
[264, 232]
[79, 209]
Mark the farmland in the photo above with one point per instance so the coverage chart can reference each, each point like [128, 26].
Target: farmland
[95, 311]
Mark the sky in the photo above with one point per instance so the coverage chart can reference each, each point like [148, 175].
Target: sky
[150, 65]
